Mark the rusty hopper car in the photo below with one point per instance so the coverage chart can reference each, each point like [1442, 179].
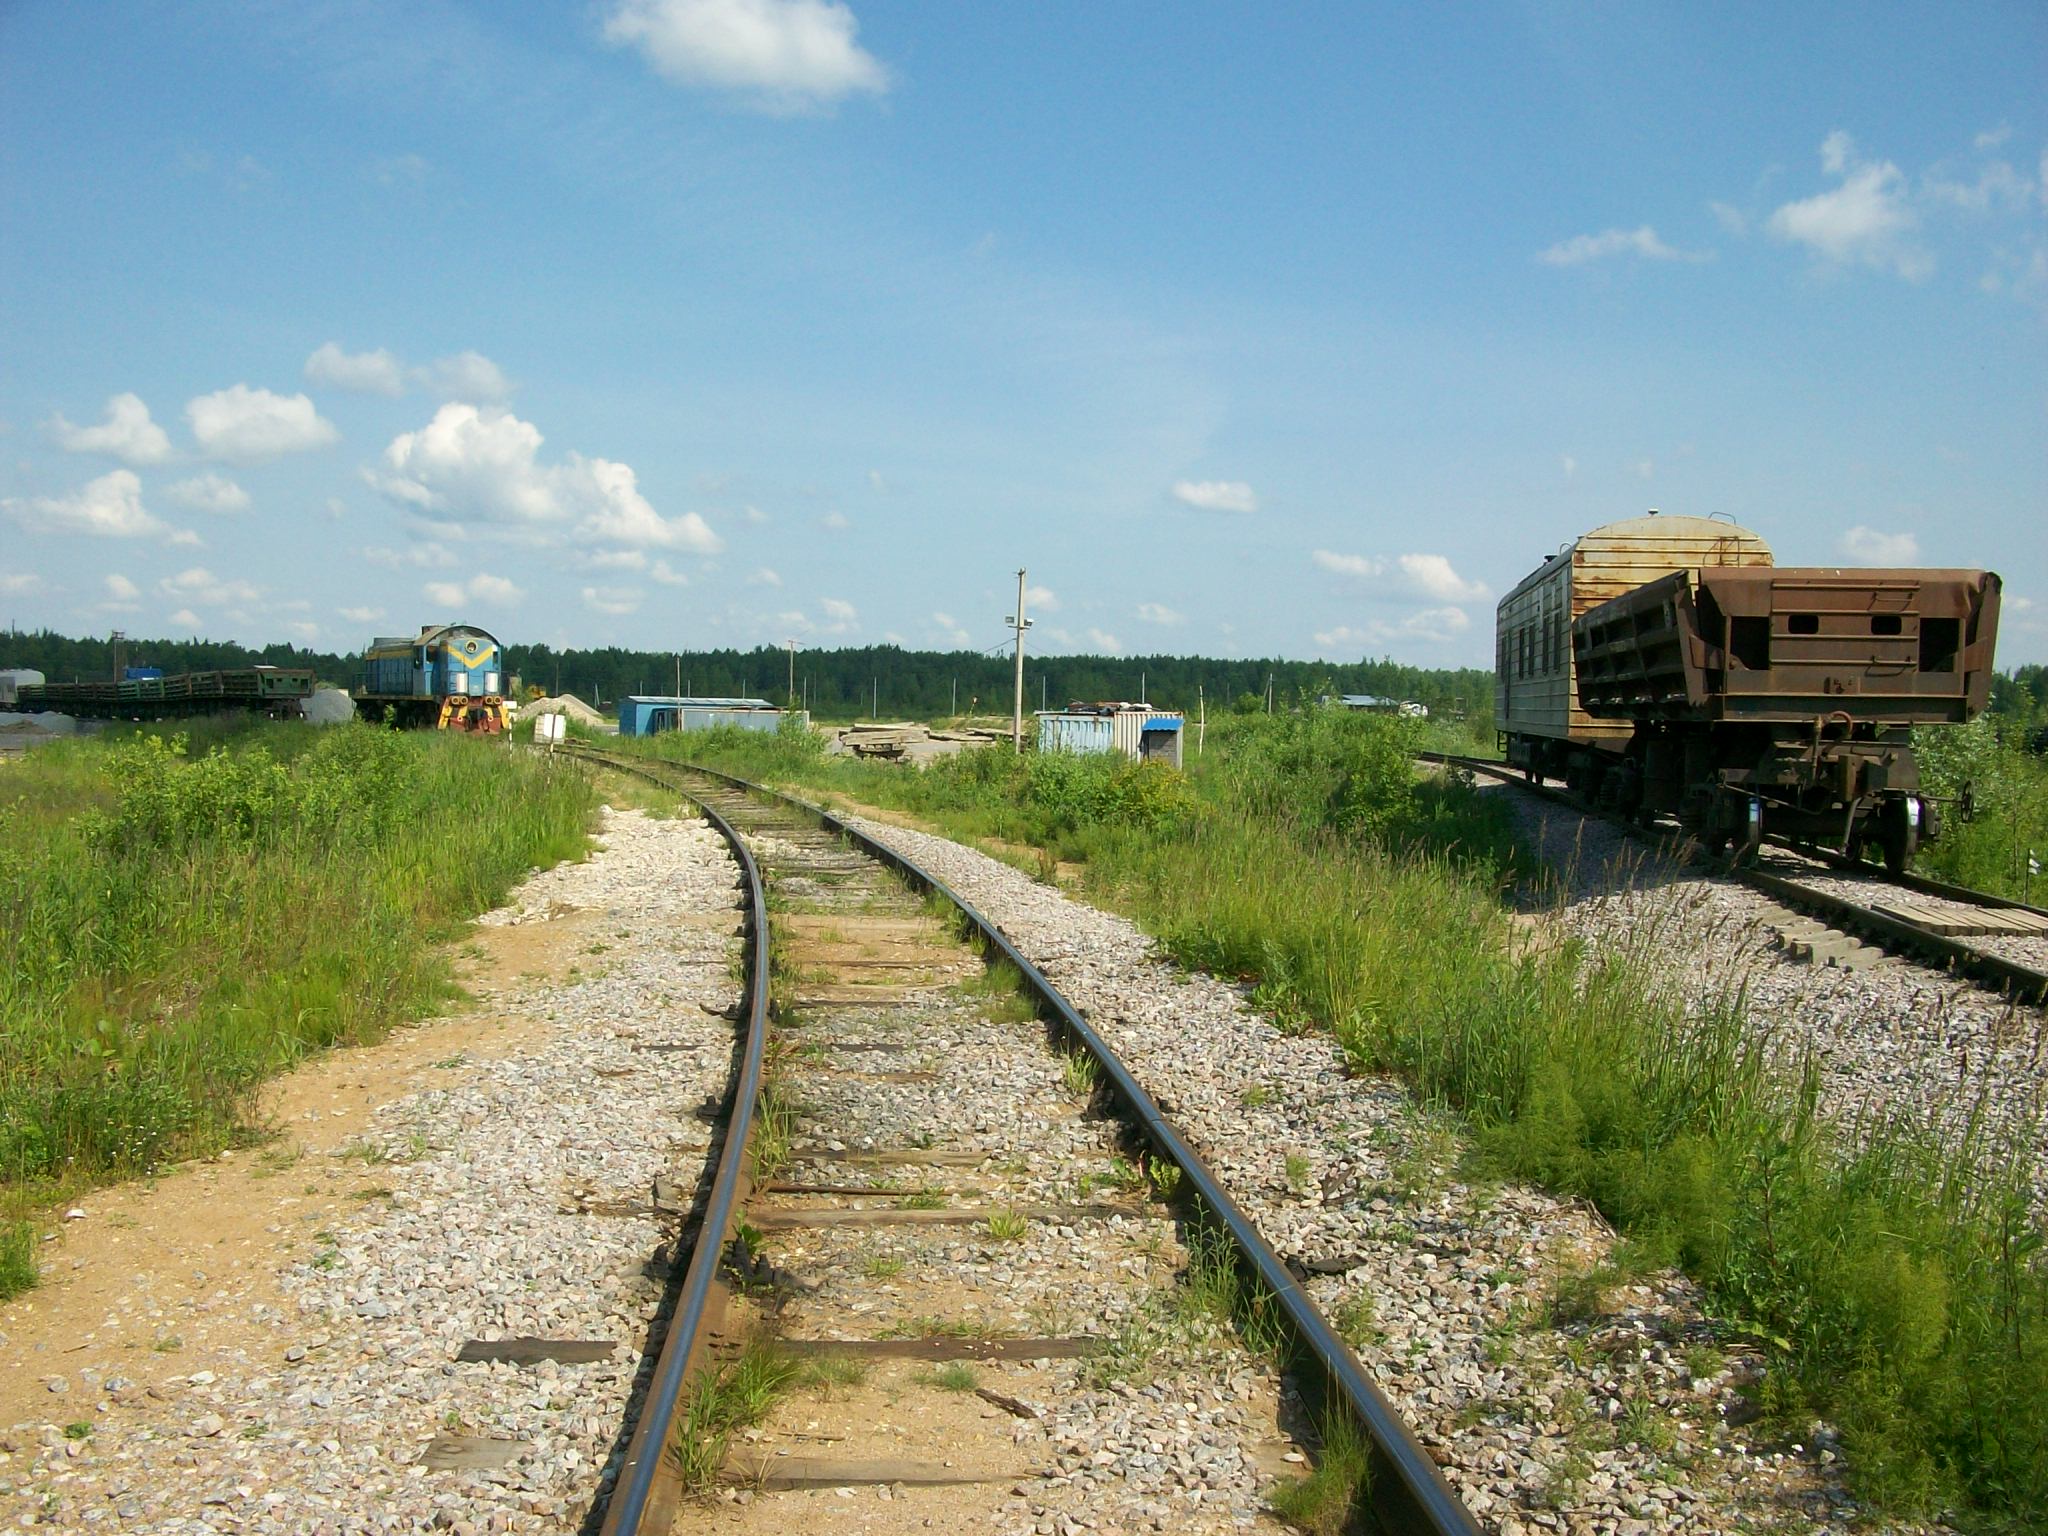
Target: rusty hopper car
[1777, 700]
[1536, 703]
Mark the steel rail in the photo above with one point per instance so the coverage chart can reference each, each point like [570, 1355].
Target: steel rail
[645, 1495]
[1406, 1489]
[1947, 952]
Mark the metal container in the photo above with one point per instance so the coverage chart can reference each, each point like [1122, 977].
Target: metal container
[648, 715]
[1136, 731]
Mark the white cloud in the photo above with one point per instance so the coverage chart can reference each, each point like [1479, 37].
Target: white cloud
[209, 493]
[1646, 469]
[1869, 546]
[876, 482]
[1040, 600]
[120, 589]
[1997, 187]
[836, 521]
[361, 615]
[613, 560]
[613, 600]
[955, 636]
[1104, 641]
[464, 376]
[482, 464]
[764, 576]
[1432, 576]
[410, 169]
[1360, 566]
[480, 588]
[13, 583]
[1569, 464]
[419, 557]
[185, 538]
[127, 434]
[1436, 624]
[1216, 495]
[363, 373]
[243, 423]
[1159, 613]
[783, 55]
[1991, 138]
[1866, 218]
[668, 575]
[1730, 218]
[200, 588]
[185, 618]
[1433, 626]
[839, 610]
[494, 589]
[1641, 241]
[755, 515]
[1428, 576]
[109, 507]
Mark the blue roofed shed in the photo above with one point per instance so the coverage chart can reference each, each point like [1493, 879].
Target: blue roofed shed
[646, 715]
[1136, 730]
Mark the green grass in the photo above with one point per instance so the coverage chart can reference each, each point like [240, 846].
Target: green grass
[2009, 820]
[1898, 1285]
[736, 1395]
[184, 914]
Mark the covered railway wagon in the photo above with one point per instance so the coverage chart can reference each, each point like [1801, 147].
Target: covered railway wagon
[1778, 700]
[448, 676]
[1536, 701]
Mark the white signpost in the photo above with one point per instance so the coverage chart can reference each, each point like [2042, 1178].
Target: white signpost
[550, 728]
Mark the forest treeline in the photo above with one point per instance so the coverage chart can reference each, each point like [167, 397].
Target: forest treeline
[845, 683]
[857, 682]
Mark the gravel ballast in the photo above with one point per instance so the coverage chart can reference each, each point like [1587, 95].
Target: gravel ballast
[1626, 1421]
[517, 1203]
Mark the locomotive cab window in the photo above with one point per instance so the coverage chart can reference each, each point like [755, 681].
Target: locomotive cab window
[1886, 624]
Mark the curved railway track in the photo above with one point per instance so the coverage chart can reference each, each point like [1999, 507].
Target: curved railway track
[824, 876]
[1912, 929]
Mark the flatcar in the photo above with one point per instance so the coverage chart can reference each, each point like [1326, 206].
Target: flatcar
[145, 693]
[448, 676]
[1741, 697]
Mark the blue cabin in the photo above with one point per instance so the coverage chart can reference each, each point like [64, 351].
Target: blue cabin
[649, 714]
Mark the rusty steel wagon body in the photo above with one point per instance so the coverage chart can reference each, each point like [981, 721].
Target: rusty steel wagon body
[1700, 681]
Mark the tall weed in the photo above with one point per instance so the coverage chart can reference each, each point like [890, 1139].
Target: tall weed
[175, 926]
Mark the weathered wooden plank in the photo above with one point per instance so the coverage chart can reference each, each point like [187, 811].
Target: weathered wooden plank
[947, 1347]
[528, 1351]
[473, 1453]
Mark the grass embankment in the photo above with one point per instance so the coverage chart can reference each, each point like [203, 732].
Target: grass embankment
[176, 924]
[1900, 1290]
[2009, 813]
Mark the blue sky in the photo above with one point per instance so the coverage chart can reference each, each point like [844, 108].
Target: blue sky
[1248, 329]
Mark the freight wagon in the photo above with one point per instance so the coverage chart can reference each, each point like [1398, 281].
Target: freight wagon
[279, 692]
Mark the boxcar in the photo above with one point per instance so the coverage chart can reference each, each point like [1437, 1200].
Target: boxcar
[1536, 703]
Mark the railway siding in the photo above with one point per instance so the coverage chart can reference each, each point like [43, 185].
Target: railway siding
[1550, 1404]
[1886, 1037]
[518, 1203]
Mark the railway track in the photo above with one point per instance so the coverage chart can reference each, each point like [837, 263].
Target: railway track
[917, 1187]
[1928, 921]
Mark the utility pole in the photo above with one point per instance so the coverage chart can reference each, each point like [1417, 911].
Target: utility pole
[874, 698]
[679, 675]
[792, 672]
[1019, 623]
[954, 709]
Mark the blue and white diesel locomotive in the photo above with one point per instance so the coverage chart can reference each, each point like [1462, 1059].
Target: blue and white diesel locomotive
[448, 676]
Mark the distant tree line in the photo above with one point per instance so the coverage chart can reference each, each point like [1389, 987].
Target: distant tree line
[844, 683]
[851, 682]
